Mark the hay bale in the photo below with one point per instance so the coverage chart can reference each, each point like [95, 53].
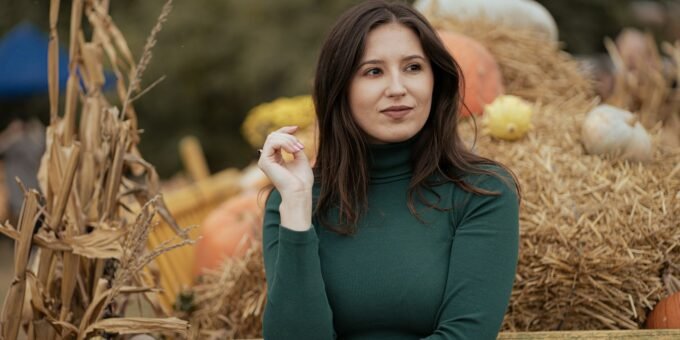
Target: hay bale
[596, 233]
[229, 303]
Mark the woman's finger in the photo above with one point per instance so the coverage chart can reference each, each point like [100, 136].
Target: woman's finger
[276, 141]
[288, 129]
[288, 144]
[281, 139]
[301, 156]
[288, 137]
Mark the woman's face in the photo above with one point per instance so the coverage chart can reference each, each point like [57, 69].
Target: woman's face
[391, 93]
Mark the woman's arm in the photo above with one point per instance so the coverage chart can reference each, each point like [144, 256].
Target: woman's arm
[482, 266]
[297, 306]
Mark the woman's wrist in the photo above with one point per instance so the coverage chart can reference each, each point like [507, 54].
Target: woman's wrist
[296, 211]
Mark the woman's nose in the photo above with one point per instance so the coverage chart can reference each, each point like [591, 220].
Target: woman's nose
[396, 87]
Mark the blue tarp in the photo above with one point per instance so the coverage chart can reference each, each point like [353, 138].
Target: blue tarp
[23, 63]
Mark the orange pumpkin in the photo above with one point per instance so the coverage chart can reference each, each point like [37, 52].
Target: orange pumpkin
[229, 230]
[483, 78]
[666, 313]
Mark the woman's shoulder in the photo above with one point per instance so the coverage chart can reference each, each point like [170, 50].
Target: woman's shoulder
[494, 187]
[492, 178]
[490, 175]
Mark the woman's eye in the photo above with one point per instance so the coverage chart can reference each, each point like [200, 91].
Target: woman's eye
[413, 67]
[372, 72]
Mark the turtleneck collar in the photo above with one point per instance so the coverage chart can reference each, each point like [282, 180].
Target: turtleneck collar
[390, 162]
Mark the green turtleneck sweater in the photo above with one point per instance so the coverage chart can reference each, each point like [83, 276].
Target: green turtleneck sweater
[396, 278]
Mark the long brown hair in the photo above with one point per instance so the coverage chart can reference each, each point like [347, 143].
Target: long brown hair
[342, 164]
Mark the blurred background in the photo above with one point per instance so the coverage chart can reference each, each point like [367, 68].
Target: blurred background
[222, 58]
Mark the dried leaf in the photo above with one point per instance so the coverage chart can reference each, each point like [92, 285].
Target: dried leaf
[98, 244]
[9, 231]
[100, 300]
[141, 325]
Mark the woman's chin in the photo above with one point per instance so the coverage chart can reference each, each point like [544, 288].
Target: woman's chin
[392, 138]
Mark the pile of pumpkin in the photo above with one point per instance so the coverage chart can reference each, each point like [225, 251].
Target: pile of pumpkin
[516, 78]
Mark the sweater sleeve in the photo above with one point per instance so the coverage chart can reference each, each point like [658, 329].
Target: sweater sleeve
[297, 306]
[482, 267]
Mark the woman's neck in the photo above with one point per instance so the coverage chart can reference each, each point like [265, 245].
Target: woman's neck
[390, 162]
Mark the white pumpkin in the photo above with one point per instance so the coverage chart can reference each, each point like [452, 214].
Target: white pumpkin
[639, 145]
[526, 14]
[614, 131]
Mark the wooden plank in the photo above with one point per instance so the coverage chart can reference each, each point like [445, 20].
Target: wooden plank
[657, 334]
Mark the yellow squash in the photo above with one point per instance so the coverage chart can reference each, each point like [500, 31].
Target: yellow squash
[508, 117]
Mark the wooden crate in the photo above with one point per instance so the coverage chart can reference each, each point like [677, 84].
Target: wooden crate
[657, 334]
[189, 205]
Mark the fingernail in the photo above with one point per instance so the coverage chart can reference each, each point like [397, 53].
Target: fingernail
[300, 145]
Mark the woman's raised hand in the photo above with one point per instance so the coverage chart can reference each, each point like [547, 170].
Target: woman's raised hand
[290, 178]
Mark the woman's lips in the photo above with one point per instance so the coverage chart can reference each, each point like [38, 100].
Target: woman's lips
[397, 112]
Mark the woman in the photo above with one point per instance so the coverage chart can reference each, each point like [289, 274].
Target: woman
[399, 232]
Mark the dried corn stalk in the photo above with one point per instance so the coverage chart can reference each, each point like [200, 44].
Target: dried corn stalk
[13, 307]
[94, 218]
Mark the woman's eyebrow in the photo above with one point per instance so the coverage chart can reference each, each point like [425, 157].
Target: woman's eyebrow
[414, 56]
[372, 61]
[378, 61]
